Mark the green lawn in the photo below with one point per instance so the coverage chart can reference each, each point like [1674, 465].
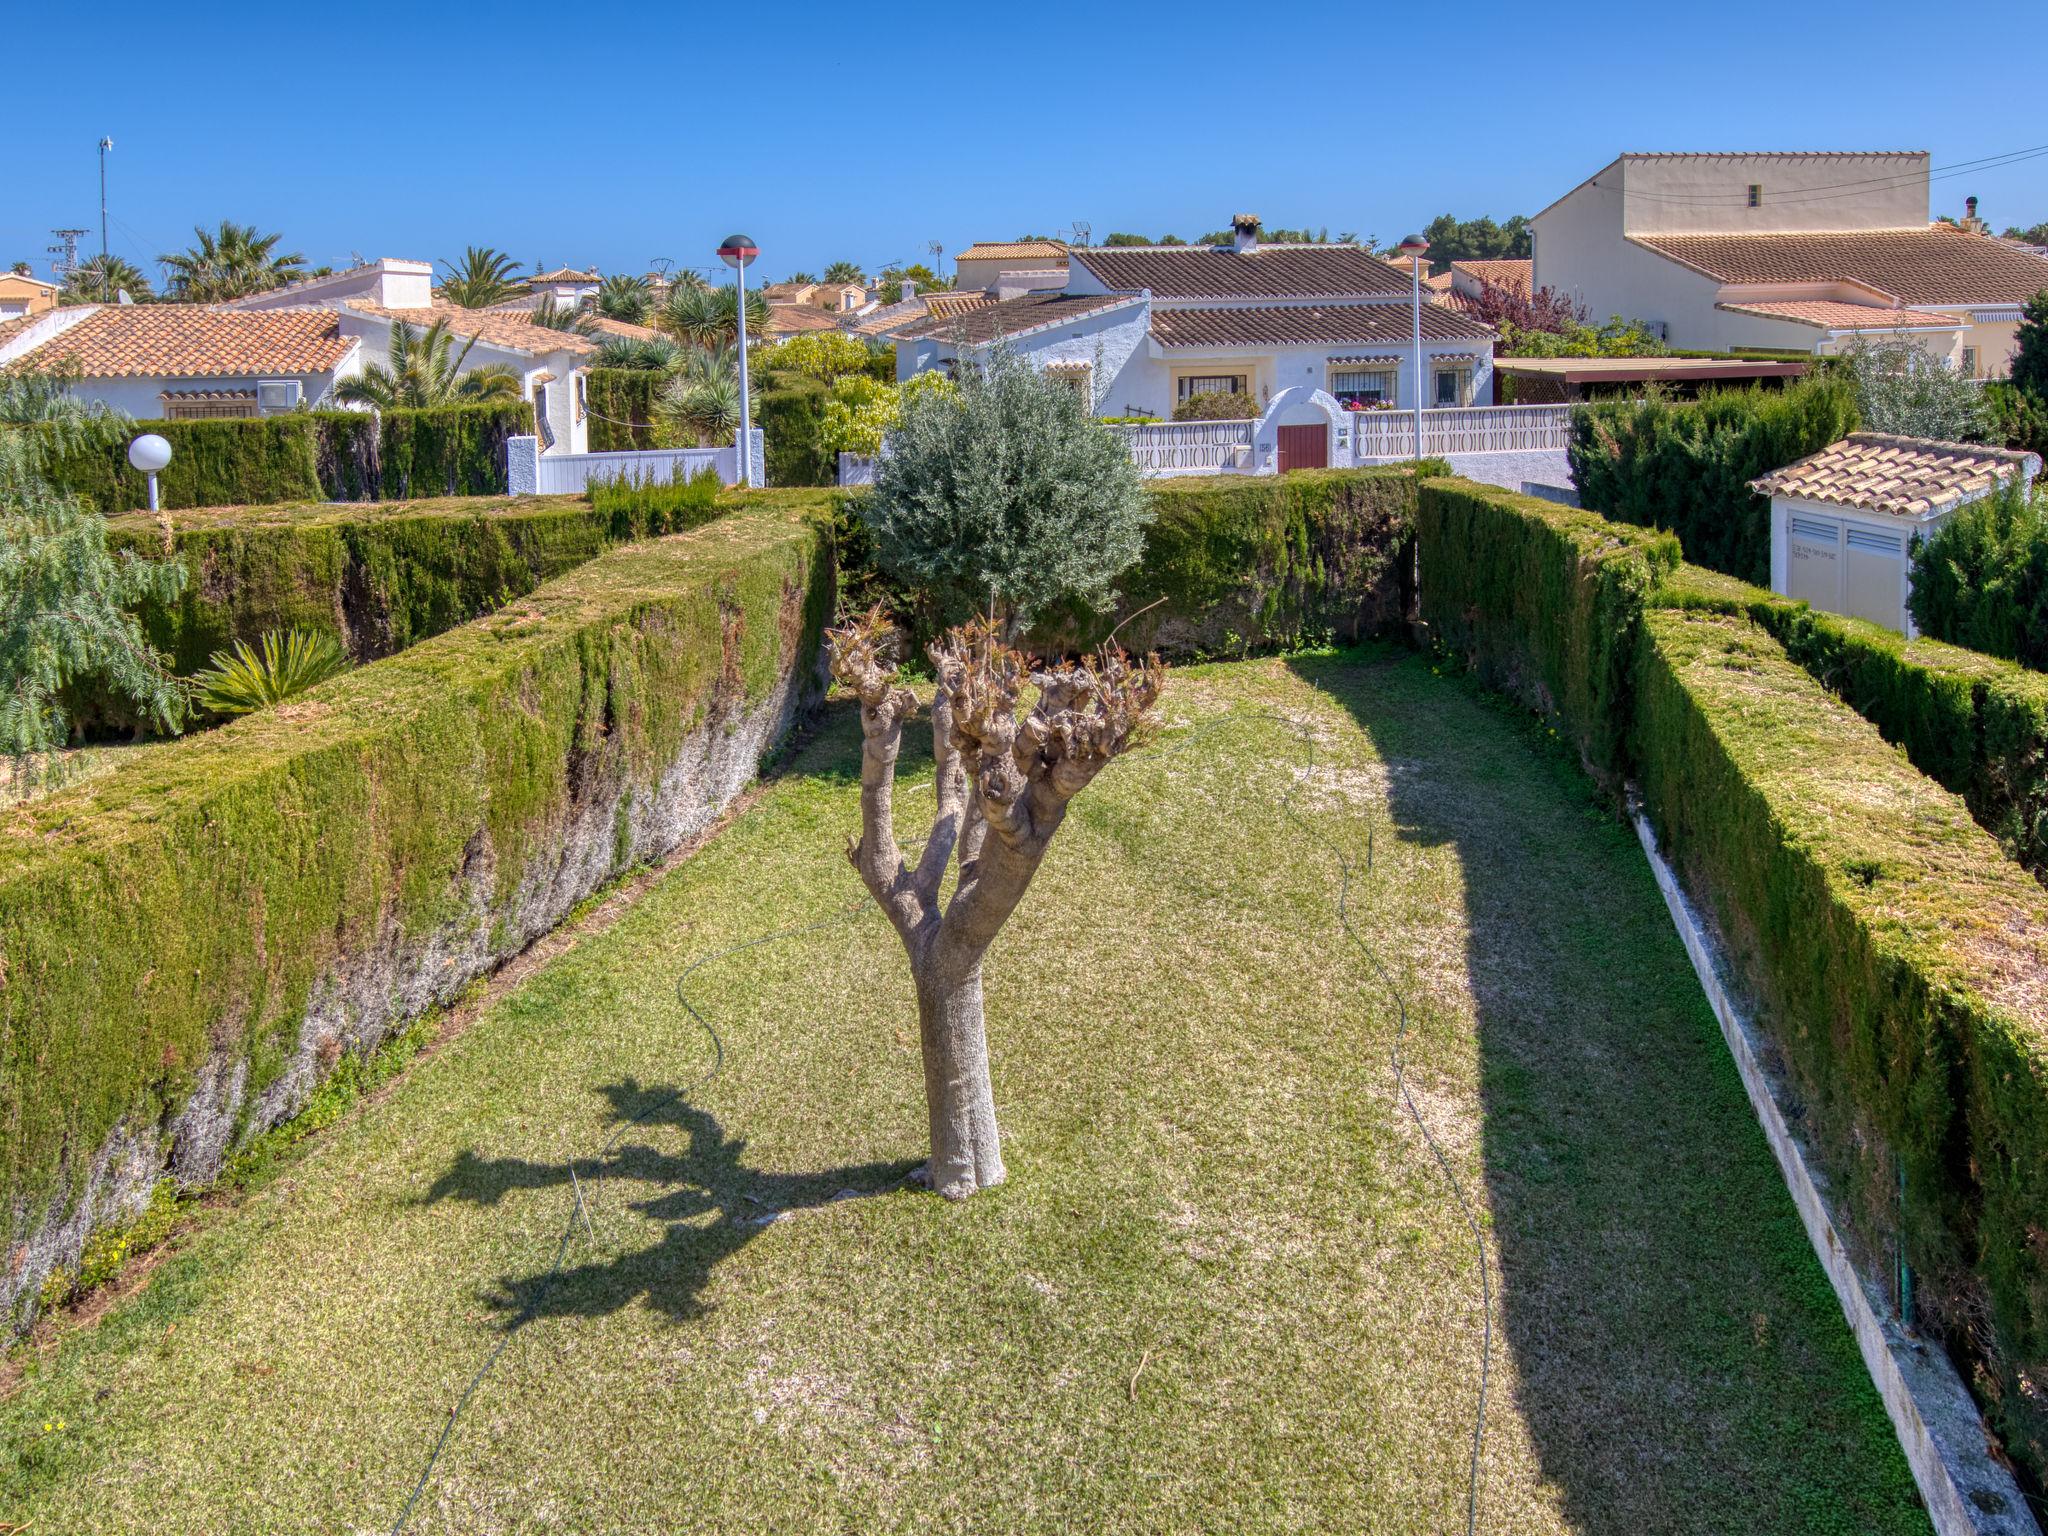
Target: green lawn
[1226, 1288]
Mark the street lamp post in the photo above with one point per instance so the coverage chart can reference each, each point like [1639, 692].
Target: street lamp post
[737, 252]
[1415, 248]
[150, 453]
[105, 145]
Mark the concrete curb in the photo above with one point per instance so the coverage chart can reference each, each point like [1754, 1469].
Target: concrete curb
[1968, 1493]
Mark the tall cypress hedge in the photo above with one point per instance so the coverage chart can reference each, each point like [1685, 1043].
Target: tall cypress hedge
[307, 456]
[622, 407]
[790, 411]
[1686, 466]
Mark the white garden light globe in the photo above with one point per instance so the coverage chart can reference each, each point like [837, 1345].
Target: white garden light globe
[149, 453]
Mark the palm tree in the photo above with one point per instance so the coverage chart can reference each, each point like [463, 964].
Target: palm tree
[705, 317]
[845, 272]
[227, 263]
[102, 280]
[425, 369]
[652, 354]
[554, 317]
[483, 277]
[624, 297]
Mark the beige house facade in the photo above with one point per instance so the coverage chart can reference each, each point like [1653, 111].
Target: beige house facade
[1796, 252]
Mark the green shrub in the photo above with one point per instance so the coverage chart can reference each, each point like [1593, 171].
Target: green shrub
[281, 665]
[186, 906]
[1982, 580]
[2018, 419]
[450, 450]
[622, 408]
[1544, 601]
[1218, 405]
[637, 509]
[1977, 725]
[790, 411]
[1686, 467]
[1898, 960]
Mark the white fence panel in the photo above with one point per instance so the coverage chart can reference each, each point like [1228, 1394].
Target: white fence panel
[856, 469]
[1187, 447]
[1467, 429]
[528, 470]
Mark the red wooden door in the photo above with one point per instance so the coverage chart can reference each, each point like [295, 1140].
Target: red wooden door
[1305, 447]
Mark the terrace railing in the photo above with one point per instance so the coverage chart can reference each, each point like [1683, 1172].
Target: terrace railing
[1467, 429]
[530, 471]
[1187, 447]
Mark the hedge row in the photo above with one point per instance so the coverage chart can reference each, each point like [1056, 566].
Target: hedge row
[622, 407]
[1977, 725]
[1900, 959]
[1231, 565]
[1543, 601]
[1687, 466]
[191, 940]
[308, 456]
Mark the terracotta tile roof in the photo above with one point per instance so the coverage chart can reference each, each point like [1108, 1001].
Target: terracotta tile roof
[899, 318]
[1436, 282]
[193, 341]
[1916, 266]
[1015, 317]
[1013, 250]
[1310, 325]
[1505, 273]
[787, 293]
[1266, 272]
[494, 327]
[1834, 315]
[1450, 298]
[1903, 476]
[788, 319]
[607, 326]
[563, 275]
[956, 303]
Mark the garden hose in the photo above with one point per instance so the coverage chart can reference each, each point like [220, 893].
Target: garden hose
[579, 1210]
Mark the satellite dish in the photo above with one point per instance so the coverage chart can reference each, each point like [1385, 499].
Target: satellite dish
[121, 296]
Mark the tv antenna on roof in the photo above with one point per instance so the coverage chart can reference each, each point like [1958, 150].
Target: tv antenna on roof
[1081, 231]
[67, 253]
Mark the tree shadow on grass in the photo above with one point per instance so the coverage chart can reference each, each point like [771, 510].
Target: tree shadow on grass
[708, 1202]
[1679, 1363]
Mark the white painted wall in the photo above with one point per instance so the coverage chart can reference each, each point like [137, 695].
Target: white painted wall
[1701, 194]
[1831, 574]
[393, 282]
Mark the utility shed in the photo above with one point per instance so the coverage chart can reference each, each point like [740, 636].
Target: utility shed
[1843, 520]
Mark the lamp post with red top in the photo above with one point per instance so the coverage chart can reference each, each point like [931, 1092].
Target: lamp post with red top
[737, 252]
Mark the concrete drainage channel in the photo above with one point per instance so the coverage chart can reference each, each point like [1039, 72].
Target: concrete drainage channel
[1968, 1493]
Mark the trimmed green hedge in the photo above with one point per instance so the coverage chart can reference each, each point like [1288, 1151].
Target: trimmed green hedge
[790, 411]
[1900, 959]
[625, 395]
[182, 916]
[308, 456]
[1544, 601]
[1686, 467]
[1975, 724]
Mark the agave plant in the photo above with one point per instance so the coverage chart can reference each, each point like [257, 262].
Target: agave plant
[703, 399]
[623, 296]
[426, 370]
[280, 666]
[229, 262]
[558, 317]
[483, 277]
[650, 354]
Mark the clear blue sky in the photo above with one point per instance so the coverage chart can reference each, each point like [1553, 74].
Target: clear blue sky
[653, 130]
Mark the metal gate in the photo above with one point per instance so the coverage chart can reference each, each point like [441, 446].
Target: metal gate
[1305, 447]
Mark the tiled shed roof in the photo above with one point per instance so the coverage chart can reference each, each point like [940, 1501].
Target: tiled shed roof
[1833, 315]
[193, 341]
[1310, 325]
[1917, 266]
[1903, 476]
[1513, 275]
[1013, 250]
[789, 319]
[1265, 272]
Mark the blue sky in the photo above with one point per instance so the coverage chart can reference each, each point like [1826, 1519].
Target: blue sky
[653, 130]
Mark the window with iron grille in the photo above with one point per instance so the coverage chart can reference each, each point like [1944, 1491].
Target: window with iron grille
[1756, 195]
[1367, 386]
[1211, 384]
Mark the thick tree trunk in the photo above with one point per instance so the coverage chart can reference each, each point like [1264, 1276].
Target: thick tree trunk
[966, 1150]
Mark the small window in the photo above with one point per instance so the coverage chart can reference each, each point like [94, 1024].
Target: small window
[1969, 362]
[1447, 391]
[1211, 384]
[540, 416]
[1756, 194]
[582, 396]
[1363, 387]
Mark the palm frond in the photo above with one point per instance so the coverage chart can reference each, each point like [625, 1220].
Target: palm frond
[280, 666]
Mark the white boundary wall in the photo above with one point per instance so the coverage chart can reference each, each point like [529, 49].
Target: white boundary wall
[531, 472]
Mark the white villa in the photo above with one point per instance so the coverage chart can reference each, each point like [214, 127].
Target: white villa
[1323, 331]
[1803, 252]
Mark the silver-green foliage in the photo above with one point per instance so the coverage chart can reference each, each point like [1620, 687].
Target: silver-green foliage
[1902, 389]
[1005, 492]
[66, 601]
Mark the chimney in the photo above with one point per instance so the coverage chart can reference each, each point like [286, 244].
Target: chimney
[907, 291]
[1971, 222]
[403, 284]
[1244, 233]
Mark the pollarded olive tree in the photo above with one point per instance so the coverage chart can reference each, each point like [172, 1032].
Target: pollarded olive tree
[1003, 493]
[1004, 780]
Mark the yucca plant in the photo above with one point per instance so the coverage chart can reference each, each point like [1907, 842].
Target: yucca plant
[622, 296]
[651, 354]
[282, 665]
